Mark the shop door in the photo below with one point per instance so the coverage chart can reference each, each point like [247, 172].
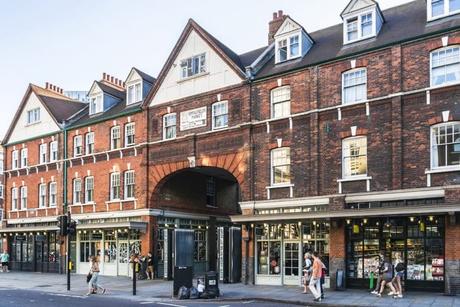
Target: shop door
[39, 256]
[123, 258]
[292, 263]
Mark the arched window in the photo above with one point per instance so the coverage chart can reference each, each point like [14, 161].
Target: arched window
[445, 145]
[354, 157]
[445, 66]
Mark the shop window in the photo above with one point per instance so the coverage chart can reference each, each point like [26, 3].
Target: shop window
[354, 156]
[280, 102]
[110, 247]
[90, 245]
[268, 250]
[281, 166]
[445, 145]
[200, 246]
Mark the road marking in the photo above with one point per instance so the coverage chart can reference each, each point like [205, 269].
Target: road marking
[145, 303]
[247, 302]
[67, 295]
[225, 306]
[173, 305]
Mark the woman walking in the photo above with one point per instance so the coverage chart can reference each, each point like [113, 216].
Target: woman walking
[94, 271]
[387, 278]
[307, 271]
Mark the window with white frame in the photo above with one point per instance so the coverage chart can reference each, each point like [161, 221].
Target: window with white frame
[115, 136]
[354, 157]
[89, 143]
[445, 145]
[1, 162]
[288, 48]
[114, 186]
[193, 66]
[129, 184]
[53, 151]
[96, 105]
[1, 191]
[14, 199]
[23, 192]
[220, 115]
[43, 152]
[77, 191]
[440, 8]
[14, 159]
[169, 126]
[354, 85]
[42, 195]
[134, 93]
[359, 27]
[281, 102]
[281, 166]
[89, 189]
[24, 159]
[33, 116]
[129, 134]
[52, 194]
[77, 145]
[445, 66]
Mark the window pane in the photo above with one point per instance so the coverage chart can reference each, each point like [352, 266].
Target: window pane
[454, 5]
[352, 29]
[366, 25]
[294, 45]
[437, 7]
[282, 49]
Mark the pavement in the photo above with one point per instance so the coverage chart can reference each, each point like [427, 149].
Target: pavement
[159, 291]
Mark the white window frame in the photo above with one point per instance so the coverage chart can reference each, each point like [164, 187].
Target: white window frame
[33, 116]
[15, 159]
[359, 20]
[115, 134]
[272, 167]
[74, 189]
[346, 154]
[24, 157]
[432, 144]
[42, 195]
[287, 39]
[77, 143]
[431, 65]
[202, 68]
[23, 200]
[53, 151]
[14, 199]
[96, 104]
[129, 184]
[344, 74]
[87, 184]
[43, 153]
[52, 194]
[1, 162]
[273, 103]
[89, 143]
[214, 106]
[446, 11]
[136, 96]
[131, 128]
[167, 127]
[115, 182]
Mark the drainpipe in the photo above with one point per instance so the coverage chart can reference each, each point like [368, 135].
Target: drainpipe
[64, 171]
[252, 172]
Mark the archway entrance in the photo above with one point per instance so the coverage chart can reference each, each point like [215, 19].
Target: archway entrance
[199, 199]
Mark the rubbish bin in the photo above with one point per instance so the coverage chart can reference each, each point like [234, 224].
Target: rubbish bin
[340, 280]
[211, 282]
[183, 276]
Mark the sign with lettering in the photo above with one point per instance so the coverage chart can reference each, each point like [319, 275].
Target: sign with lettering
[193, 119]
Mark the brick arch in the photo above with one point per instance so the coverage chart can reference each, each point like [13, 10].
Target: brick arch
[233, 163]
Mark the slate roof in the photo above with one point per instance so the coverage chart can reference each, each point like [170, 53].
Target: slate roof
[145, 76]
[404, 22]
[61, 109]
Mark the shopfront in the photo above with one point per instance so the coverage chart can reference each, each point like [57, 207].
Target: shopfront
[280, 248]
[417, 241]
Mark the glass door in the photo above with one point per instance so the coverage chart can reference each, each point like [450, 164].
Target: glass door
[292, 263]
[123, 258]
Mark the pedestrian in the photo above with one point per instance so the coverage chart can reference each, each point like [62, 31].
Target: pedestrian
[323, 279]
[379, 271]
[150, 266]
[5, 258]
[398, 276]
[315, 281]
[93, 285]
[307, 270]
[387, 278]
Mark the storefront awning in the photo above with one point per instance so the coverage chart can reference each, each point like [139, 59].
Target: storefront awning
[142, 226]
[350, 213]
[28, 229]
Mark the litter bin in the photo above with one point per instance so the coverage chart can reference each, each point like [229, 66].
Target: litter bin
[211, 282]
[183, 276]
[340, 280]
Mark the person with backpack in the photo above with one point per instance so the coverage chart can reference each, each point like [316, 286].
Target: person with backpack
[399, 274]
[93, 284]
[307, 270]
[387, 278]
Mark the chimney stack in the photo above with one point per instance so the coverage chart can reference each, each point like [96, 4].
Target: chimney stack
[275, 24]
[111, 80]
[51, 87]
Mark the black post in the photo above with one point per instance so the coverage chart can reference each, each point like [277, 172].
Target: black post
[134, 277]
[68, 261]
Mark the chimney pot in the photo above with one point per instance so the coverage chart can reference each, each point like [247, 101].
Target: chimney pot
[104, 76]
[280, 13]
[62, 91]
[275, 15]
[124, 84]
[46, 85]
[111, 79]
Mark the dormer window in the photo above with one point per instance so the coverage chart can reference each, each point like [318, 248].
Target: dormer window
[359, 27]
[291, 41]
[33, 116]
[95, 105]
[134, 93]
[288, 48]
[193, 66]
[362, 19]
[441, 8]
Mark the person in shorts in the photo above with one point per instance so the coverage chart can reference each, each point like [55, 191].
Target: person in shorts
[387, 278]
[150, 266]
[4, 259]
[399, 275]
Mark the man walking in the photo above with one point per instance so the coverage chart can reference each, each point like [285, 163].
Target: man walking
[4, 259]
[315, 281]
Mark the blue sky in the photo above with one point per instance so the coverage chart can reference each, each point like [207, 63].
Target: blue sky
[71, 43]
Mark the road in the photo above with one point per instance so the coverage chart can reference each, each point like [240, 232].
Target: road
[30, 298]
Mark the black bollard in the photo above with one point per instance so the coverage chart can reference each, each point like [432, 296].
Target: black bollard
[134, 278]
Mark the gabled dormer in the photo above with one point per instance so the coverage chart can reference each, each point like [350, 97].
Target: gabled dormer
[362, 19]
[291, 41]
[138, 85]
[437, 9]
[105, 94]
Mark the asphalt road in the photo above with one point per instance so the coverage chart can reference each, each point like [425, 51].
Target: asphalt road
[29, 298]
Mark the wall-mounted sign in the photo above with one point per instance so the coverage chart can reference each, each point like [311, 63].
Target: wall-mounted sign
[193, 119]
[20, 238]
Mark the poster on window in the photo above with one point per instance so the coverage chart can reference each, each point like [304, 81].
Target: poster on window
[193, 119]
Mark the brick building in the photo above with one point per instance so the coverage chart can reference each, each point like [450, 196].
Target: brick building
[345, 140]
